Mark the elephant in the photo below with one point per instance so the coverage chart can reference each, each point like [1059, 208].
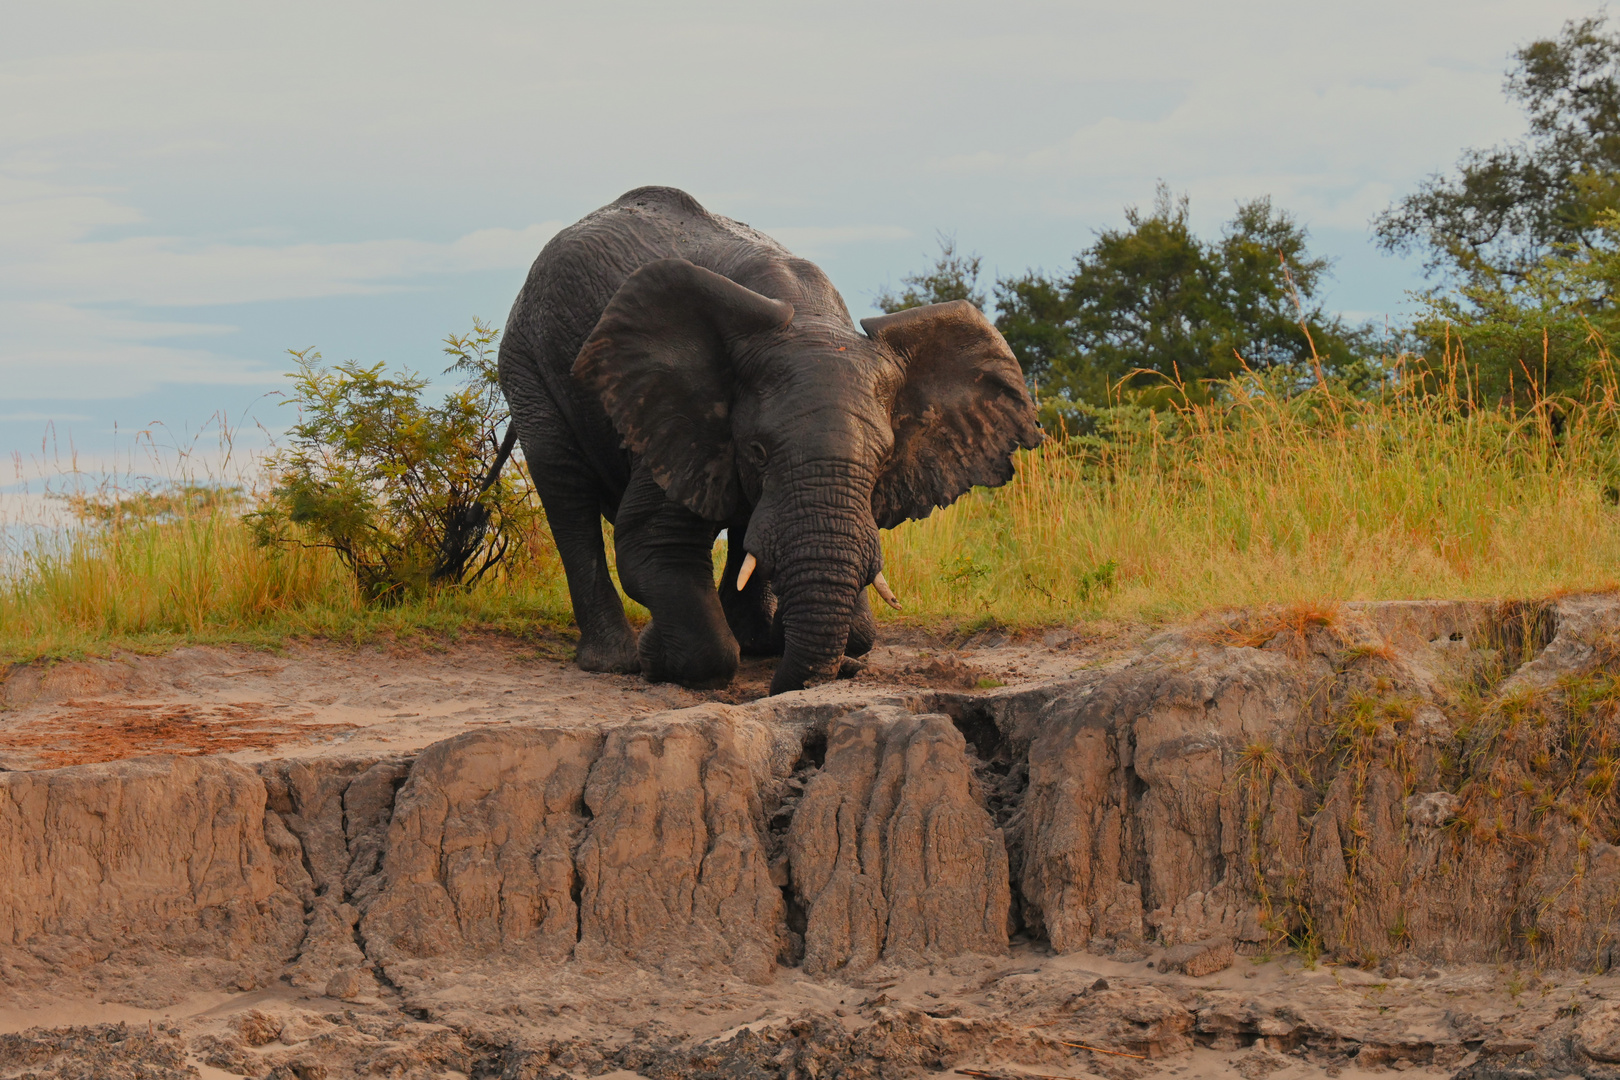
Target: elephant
[678, 373]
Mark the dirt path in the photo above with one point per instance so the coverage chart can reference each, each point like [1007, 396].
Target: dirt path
[321, 698]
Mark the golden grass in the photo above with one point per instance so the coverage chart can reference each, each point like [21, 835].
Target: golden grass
[147, 587]
[1313, 498]
[1263, 498]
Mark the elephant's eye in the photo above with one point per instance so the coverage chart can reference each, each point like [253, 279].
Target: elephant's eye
[756, 452]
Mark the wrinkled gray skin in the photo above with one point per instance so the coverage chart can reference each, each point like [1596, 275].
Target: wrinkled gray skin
[678, 373]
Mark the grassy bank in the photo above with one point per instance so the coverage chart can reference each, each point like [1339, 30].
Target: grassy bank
[204, 580]
[1318, 496]
[1264, 497]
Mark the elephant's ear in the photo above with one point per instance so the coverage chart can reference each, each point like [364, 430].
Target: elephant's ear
[960, 414]
[660, 360]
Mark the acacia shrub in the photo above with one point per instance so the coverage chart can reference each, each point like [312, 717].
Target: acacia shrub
[408, 494]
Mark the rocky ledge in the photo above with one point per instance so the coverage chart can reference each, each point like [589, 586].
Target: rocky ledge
[1417, 797]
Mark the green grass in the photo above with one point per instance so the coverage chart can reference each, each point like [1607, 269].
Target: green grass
[1262, 498]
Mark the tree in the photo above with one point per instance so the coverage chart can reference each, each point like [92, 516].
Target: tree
[1152, 302]
[409, 494]
[953, 277]
[1506, 207]
[1545, 332]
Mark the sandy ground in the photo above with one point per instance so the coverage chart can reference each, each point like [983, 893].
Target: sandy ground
[1027, 982]
[312, 699]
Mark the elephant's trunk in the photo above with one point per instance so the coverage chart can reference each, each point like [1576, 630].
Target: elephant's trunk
[822, 547]
[817, 603]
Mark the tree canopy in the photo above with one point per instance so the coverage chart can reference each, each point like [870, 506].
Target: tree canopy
[1503, 209]
[1526, 237]
[1152, 303]
[1545, 331]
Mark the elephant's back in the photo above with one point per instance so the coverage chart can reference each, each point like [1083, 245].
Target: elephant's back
[669, 223]
[583, 266]
[580, 269]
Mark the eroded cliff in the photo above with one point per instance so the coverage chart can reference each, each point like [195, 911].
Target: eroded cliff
[1383, 784]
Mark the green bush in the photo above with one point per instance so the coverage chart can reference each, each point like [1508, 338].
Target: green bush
[410, 495]
[1544, 332]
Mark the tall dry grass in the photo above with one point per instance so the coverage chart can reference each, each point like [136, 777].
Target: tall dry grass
[162, 555]
[1264, 496]
[151, 585]
[1268, 496]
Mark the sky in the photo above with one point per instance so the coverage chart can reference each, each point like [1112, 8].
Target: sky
[189, 190]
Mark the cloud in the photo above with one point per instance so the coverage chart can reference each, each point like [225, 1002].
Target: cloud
[58, 350]
[79, 313]
[166, 271]
[114, 369]
[51, 255]
[36, 216]
[814, 240]
[44, 417]
[1232, 136]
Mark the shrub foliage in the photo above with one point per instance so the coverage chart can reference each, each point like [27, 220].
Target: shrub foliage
[409, 494]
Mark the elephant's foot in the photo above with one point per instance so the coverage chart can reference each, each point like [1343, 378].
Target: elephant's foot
[615, 654]
[697, 665]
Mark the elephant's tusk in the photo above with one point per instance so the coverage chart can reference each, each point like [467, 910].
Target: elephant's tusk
[746, 572]
[883, 590]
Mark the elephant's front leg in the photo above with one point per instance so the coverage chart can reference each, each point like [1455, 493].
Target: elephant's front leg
[862, 627]
[751, 610]
[665, 557]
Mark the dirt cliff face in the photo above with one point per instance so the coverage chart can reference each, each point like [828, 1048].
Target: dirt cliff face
[479, 850]
[892, 853]
[107, 866]
[1382, 784]
[672, 866]
[1402, 782]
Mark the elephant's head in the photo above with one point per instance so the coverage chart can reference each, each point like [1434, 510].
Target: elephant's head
[734, 401]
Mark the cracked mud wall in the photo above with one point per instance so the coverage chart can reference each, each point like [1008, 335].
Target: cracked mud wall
[1136, 818]
[645, 845]
[106, 865]
[1313, 792]
[650, 845]
[1295, 785]
[479, 852]
[892, 853]
[673, 866]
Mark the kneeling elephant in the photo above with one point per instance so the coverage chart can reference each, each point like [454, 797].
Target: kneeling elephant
[679, 373]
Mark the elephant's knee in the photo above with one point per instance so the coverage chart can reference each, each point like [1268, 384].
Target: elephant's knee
[703, 664]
